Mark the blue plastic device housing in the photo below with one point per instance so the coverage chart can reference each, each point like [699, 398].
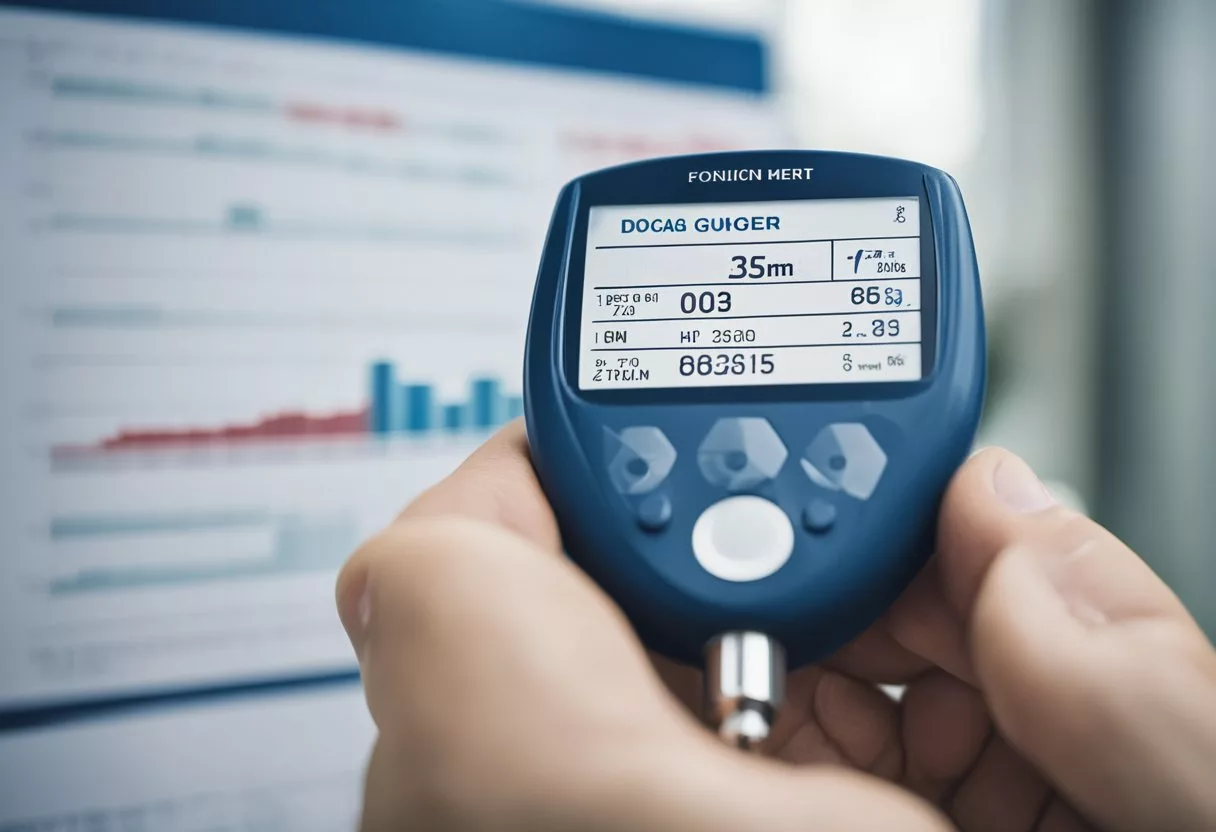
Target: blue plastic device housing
[834, 585]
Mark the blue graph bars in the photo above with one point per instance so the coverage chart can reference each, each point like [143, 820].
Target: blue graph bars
[418, 404]
[485, 403]
[414, 408]
[454, 418]
[384, 385]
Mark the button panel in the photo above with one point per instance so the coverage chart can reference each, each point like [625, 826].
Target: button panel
[741, 453]
[744, 537]
[845, 456]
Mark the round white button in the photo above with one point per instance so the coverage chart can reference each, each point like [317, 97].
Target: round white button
[742, 538]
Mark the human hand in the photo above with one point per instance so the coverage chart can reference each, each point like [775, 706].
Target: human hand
[1046, 668]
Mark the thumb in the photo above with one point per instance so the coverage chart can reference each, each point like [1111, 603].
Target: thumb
[1091, 666]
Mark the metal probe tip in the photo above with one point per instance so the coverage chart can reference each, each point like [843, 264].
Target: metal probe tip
[744, 686]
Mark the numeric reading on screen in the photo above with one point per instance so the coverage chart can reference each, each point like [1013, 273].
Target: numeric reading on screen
[751, 293]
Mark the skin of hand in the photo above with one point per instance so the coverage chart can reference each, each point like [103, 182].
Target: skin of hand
[1053, 683]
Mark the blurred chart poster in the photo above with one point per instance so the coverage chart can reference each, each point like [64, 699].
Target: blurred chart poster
[292, 762]
[263, 282]
[266, 272]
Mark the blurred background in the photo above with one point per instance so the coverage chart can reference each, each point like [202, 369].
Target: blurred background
[266, 268]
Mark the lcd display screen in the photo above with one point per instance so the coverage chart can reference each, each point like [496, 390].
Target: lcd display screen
[821, 291]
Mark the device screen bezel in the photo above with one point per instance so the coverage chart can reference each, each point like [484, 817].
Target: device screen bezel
[625, 187]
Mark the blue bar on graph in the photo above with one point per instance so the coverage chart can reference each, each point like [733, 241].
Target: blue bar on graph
[453, 417]
[384, 386]
[418, 404]
[485, 402]
[515, 407]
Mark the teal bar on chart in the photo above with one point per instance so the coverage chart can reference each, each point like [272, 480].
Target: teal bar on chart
[453, 417]
[515, 407]
[486, 397]
[380, 411]
[418, 407]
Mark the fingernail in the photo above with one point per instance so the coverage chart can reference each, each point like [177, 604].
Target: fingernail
[1018, 487]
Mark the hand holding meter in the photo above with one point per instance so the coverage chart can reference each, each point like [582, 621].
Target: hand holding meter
[749, 378]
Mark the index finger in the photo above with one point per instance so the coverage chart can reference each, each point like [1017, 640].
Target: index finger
[994, 503]
[496, 485]
[930, 618]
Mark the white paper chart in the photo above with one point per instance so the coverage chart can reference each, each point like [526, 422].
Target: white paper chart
[741, 294]
[259, 292]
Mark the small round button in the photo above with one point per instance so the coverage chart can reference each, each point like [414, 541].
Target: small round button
[818, 516]
[742, 538]
[654, 512]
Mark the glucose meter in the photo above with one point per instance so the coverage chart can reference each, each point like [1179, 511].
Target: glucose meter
[749, 377]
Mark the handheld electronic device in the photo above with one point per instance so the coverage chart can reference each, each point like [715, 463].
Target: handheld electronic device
[749, 378]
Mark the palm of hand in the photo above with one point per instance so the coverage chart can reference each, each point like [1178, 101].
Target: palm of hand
[937, 739]
[1032, 629]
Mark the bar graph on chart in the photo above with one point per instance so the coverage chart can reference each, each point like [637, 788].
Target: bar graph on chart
[412, 409]
[394, 410]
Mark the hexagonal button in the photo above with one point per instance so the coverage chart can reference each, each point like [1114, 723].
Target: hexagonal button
[639, 458]
[742, 453]
[846, 457]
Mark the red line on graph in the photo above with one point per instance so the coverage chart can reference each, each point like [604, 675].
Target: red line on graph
[641, 145]
[287, 425]
[348, 116]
